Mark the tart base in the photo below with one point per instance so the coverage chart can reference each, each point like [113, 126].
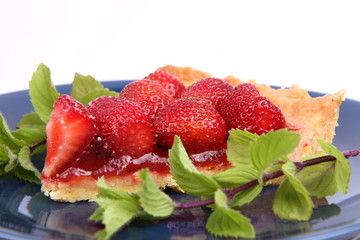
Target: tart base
[85, 188]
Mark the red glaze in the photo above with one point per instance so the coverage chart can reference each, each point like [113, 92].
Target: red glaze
[97, 163]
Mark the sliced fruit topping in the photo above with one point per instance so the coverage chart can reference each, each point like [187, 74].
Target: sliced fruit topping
[212, 89]
[69, 132]
[195, 121]
[122, 126]
[245, 110]
[172, 85]
[148, 94]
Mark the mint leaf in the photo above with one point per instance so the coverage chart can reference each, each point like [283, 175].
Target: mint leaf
[7, 159]
[25, 169]
[238, 147]
[227, 222]
[292, 201]
[246, 196]
[152, 199]
[185, 173]
[33, 121]
[272, 147]
[98, 214]
[42, 92]
[236, 176]
[106, 192]
[95, 94]
[29, 135]
[342, 167]
[106, 195]
[116, 214]
[86, 88]
[82, 85]
[7, 138]
[319, 179]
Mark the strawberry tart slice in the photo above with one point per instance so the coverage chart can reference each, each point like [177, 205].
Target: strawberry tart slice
[115, 137]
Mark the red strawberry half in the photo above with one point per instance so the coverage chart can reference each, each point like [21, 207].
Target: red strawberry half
[212, 89]
[149, 94]
[69, 132]
[243, 110]
[122, 126]
[195, 121]
[172, 85]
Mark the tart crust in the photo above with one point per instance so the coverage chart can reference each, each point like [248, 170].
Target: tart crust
[84, 188]
[313, 117]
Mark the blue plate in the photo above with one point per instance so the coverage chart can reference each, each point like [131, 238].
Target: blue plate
[26, 213]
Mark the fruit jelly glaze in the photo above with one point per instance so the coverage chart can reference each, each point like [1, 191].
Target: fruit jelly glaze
[97, 163]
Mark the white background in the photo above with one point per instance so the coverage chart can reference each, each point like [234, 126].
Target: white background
[315, 44]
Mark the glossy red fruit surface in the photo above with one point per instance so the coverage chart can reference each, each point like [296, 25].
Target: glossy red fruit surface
[69, 132]
[122, 127]
[253, 113]
[212, 89]
[150, 95]
[195, 121]
[246, 89]
[169, 82]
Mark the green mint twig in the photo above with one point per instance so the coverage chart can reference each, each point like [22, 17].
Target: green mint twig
[266, 177]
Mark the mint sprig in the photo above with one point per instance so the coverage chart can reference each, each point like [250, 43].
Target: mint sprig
[15, 152]
[240, 185]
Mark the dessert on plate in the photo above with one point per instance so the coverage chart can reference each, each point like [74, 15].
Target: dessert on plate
[115, 137]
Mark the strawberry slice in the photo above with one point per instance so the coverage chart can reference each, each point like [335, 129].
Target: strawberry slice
[69, 132]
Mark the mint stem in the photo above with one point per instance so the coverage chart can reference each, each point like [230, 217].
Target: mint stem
[266, 177]
[34, 147]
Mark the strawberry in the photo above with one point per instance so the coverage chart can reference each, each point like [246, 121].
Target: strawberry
[246, 89]
[212, 89]
[195, 121]
[172, 85]
[148, 94]
[122, 127]
[69, 132]
[246, 110]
